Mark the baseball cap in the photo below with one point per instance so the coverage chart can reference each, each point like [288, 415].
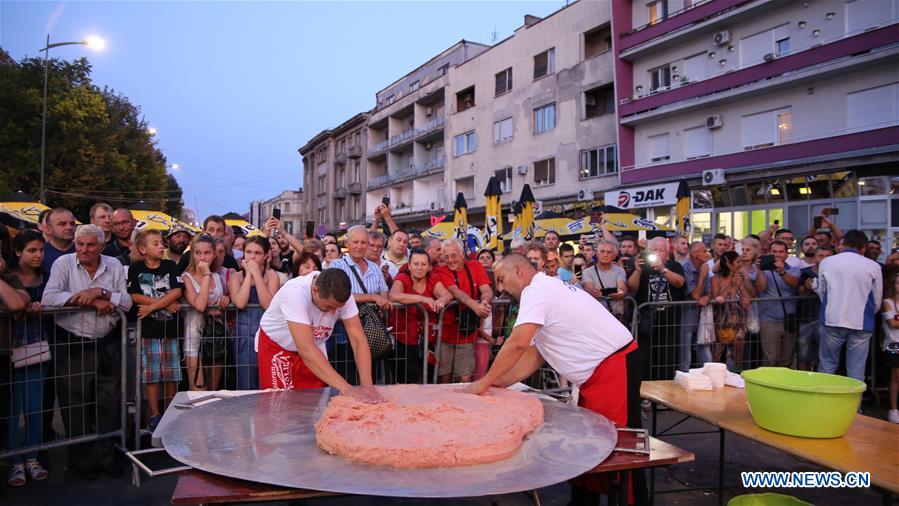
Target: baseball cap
[178, 228]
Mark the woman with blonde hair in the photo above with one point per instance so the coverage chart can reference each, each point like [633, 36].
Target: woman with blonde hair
[204, 290]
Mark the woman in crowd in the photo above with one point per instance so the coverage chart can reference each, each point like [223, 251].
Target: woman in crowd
[254, 285]
[281, 266]
[891, 340]
[204, 290]
[732, 291]
[487, 259]
[578, 266]
[307, 263]
[223, 272]
[28, 383]
[752, 250]
[415, 287]
[332, 252]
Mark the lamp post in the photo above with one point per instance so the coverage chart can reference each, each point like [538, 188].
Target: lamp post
[91, 42]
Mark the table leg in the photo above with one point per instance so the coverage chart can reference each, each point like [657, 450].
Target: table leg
[624, 482]
[652, 471]
[720, 467]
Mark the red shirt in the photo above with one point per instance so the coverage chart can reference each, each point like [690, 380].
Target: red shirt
[448, 278]
[408, 322]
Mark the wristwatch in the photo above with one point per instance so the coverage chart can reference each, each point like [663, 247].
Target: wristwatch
[104, 294]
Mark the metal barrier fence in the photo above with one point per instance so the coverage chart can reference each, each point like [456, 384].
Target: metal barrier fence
[59, 388]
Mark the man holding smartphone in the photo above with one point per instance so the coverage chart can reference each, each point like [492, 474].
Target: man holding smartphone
[605, 279]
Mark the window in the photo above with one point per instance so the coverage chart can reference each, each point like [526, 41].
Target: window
[597, 40]
[696, 68]
[504, 81]
[465, 143]
[465, 99]
[544, 118]
[660, 148]
[443, 70]
[658, 11]
[872, 108]
[288, 227]
[414, 86]
[598, 162]
[504, 176]
[754, 48]
[863, 14]
[697, 142]
[766, 129]
[660, 77]
[782, 47]
[545, 63]
[545, 172]
[502, 131]
[390, 99]
[599, 101]
[286, 207]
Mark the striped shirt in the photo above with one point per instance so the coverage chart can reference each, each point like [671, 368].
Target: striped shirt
[372, 278]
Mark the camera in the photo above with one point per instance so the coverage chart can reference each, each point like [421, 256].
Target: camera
[609, 291]
[766, 262]
[651, 258]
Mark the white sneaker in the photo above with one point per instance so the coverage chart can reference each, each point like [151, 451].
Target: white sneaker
[893, 416]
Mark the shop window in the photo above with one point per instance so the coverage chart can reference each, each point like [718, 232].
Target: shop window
[757, 193]
[758, 221]
[844, 184]
[873, 213]
[873, 185]
[776, 214]
[725, 226]
[702, 227]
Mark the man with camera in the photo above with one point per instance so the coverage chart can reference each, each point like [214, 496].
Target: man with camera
[778, 320]
[606, 280]
[657, 278]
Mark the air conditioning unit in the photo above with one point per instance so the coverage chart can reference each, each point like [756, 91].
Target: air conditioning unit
[590, 100]
[713, 122]
[769, 57]
[584, 195]
[522, 170]
[712, 177]
[429, 111]
[429, 145]
[722, 38]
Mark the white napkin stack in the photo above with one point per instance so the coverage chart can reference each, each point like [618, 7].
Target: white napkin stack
[693, 380]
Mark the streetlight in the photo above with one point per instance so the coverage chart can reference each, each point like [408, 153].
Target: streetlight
[151, 131]
[92, 42]
[173, 166]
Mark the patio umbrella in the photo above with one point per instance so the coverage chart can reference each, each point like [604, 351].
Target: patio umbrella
[625, 222]
[148, 217]
[523, 226]
[552, 222]
[682, 209]
[493, 217]
[460, 220]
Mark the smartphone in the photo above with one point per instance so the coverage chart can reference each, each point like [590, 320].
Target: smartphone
[385, 201]
[276, 213]
[766, 262]
[578, 269]
[818, 222]
[776, 223]
[310, 229]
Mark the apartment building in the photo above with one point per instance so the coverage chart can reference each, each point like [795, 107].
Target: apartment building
[407, 140]
[291, 204]
[537, 108]
[770, 110]
[334, 174]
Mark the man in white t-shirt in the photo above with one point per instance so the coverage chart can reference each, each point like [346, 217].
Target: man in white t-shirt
[294, 329]
[575, 334]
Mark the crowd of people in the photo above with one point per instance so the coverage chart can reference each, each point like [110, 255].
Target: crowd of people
[695, 303]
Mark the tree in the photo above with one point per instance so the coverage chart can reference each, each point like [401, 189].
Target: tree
[97, 145]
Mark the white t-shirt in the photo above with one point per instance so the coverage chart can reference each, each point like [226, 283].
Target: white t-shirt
[293, 303]
[577, 332]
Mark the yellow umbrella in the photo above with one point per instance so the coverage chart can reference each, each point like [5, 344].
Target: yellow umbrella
[157, 220]
[460, 220]
[625, 222]
[447, 230]
[552, 222]
[493, 217]
[523, 226]
[682, 209]
[25, 211]
[248, 228]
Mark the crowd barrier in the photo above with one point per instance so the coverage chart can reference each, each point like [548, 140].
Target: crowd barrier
[58, 389]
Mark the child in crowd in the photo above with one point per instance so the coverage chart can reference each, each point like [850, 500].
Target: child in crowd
[155, 287]
[204, 290]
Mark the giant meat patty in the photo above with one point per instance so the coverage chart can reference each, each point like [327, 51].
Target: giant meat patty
[429, 426]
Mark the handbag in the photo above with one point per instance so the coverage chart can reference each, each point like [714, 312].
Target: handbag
[380, 341]
[213, 344]
[705, 334]
[791, 320]
[752, 320]
[469, 321]
[30, 354]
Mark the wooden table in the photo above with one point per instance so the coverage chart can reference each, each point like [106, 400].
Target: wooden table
[198, 487]
[870, 445]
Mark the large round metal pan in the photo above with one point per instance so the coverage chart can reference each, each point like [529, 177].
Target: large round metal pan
[269, 438]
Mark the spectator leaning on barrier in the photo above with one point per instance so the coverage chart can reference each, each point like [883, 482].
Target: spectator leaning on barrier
[101, 216]
[87, 351]
[155, 287]
[732, 291]
[681, 249]
[467, 281]
[177, 240]
[122, 223]
[61, 228]
[657, 278]
[811, 330]
[376, 242]
[215, 226]
[778, 321]
[719, 246]
[397, 251]
[890, 343]
[697, 286]
[29, 383]
[367, 287]
[848, 282]
[786, 235]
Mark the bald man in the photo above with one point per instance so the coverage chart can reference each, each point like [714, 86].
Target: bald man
[570, 330]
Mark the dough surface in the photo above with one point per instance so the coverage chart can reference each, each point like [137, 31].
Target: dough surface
[428, 426]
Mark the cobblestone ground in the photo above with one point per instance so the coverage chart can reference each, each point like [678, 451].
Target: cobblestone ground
[742, 455]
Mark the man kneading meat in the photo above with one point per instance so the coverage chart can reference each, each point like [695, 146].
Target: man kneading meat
[573, 332]
[294, 329]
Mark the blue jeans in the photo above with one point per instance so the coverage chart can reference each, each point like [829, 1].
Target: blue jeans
[246, 360]
[27, 398]
[857, 343]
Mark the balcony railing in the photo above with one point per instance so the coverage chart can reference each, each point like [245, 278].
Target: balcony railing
[354, 188]
[340, 159]
[429, 167]
[378, 181]
[340, 193]
[354, 151]
[407, 136]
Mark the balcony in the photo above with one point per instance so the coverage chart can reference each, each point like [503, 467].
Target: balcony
[407, 136]
[354, 188]
[389, 179]
[354, 152]
[340, 159]
[340, 193]
[377, 182]
[428, 168]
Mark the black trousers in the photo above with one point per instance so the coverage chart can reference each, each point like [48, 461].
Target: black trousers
[88, 386]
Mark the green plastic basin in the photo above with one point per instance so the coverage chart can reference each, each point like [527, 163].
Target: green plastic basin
[766, 500]
[802, 403]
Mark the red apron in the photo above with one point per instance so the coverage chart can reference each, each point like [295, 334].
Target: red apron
[280, 368]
